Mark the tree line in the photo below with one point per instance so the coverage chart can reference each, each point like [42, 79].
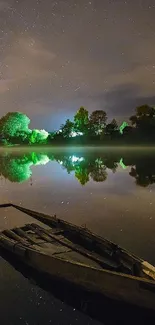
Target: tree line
[85, 128]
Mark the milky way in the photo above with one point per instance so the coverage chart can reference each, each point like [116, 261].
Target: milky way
[58, 55]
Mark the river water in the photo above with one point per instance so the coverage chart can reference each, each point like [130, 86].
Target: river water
[111, 191]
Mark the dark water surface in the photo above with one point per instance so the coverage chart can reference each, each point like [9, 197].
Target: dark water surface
[112, 191]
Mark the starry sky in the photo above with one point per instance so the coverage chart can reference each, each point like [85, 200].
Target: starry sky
[56, 56]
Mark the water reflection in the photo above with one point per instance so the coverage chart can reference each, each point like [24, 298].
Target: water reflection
[86, 166]
[17, 168]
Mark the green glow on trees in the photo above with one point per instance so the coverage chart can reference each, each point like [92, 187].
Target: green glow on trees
[122, 164]
[18, 169]
[81, 120]
[82, 174]
[39, 159]
[38, 136]
[123, 126]
[12, 123]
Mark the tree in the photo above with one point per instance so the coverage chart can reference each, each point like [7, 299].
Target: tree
[38, 136]
[12, 123]
[144, 118]
[67, 128]
[81, 120]
[145, 110]
[21, 137]
[97, 121]
[111, 127]
[122, 127]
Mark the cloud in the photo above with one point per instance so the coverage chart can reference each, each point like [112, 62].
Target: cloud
[5, 6]
[28, 58]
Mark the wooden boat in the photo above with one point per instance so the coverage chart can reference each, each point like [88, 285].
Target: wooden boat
[76, 255]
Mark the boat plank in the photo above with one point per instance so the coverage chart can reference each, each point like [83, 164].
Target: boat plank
[12, 235]
[65, 242]
[22, 234]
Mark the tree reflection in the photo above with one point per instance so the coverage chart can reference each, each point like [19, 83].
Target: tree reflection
[82, 174]
[98, 173]
[144, 173]
[85, 166]
[18, 168]
[15, 169]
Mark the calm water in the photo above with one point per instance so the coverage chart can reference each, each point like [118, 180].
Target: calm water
[112, 191]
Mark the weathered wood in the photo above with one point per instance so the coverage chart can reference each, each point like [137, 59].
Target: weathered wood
[11, 234]
[100, 261]
[22, 234]
[39, 233]
[5, 205]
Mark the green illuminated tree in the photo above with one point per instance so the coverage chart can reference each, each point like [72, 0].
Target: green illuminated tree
[122, 127]
[97, 121]
[16, 169]
[12, 123]
[81, 120]
[39, 158]
[38, 137]
[82, 174]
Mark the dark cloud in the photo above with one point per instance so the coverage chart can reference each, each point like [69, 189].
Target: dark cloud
[57, 56]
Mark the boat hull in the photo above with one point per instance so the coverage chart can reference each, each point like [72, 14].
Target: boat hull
[134, 290]
[121, 287]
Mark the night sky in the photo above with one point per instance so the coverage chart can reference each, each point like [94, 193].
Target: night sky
[56, 56]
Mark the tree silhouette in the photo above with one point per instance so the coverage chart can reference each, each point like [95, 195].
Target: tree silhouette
[97, 121]
[67, 128]
[144, 119]
[144, 172]
[111, 128]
